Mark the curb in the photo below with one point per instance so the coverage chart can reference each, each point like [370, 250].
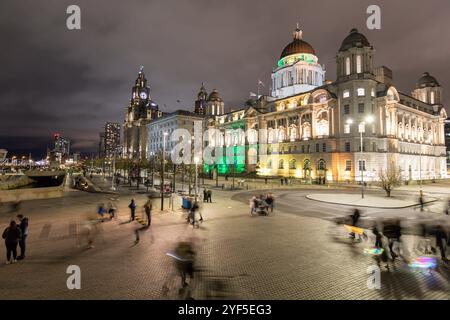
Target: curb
[365, 206]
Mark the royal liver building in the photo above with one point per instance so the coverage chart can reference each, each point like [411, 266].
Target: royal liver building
[139, 112]
[357, 125]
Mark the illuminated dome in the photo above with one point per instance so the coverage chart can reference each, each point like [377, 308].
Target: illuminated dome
[297, 46]
[354, 39]
[214, 96]
[426, 80]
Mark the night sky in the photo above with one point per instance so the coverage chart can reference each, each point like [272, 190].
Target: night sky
[56, 80]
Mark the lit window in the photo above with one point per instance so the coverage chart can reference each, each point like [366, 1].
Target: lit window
[361, 92]
[358, 64]
[372, 92]
[362, 165]
[346, 128]
[346, 94]
[432, 97]
[281, 164]
[348, 165]
[347, 66]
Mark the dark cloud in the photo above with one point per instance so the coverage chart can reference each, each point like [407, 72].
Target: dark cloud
[56, 80]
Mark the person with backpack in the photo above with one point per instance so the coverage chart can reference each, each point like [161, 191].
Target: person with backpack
[12, 235]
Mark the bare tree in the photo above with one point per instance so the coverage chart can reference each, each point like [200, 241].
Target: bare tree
[390, 178]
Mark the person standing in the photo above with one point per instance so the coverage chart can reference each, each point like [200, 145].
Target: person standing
[209, 195]
[270, 202]
[132, 207]
[12, 235]
[148, 211]
[23, 226]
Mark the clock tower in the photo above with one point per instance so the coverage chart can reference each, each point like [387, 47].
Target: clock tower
[139, 112]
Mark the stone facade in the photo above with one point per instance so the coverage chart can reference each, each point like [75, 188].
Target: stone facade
[317, 134]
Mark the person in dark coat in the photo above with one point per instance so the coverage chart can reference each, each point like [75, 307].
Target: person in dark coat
[393, 231]
[132, 207]
[12, 235]
[441, 240]
[23, 226]
[209, 196]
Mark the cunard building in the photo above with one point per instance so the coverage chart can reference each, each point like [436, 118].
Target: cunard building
[139, 112]
[345, 130]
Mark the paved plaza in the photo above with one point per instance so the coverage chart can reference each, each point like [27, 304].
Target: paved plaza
[295, 253]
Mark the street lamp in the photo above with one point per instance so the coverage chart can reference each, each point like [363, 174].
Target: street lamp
[165, 134]
[368, 119]
[196, 160]
[113, 171]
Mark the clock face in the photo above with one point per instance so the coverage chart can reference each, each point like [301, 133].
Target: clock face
[143, 95]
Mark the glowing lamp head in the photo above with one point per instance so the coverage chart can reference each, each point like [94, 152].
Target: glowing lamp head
[369, 119]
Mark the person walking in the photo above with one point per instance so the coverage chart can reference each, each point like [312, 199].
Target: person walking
[209, 195]
[270, 202]
[148, 211]
[252, 205]
[441, 241]
[421, 201]
[12, 235]
[205, 195]
[23, 226]
[132, 207]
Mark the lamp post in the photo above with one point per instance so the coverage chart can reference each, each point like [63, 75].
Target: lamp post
[162, 170]
[113, 171]
[196, 160]
[368, 119]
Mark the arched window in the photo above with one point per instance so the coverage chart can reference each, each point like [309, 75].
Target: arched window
[270, 136]
[322, 124]
[358, 63]
[306, 131]
[281, 164]
[307, 164]
[293, 164]
[281, 134]
[321, 165]
[293, 132]
[347, 66]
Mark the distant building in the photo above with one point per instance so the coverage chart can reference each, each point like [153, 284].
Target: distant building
[101, 145]
[180, 119]
[447, 142]
[61, 149]
[112, 139]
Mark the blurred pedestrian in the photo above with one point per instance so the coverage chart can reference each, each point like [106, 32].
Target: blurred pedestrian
[421, 201]
[354, 218]
[441, 241]
[148, 211]
[101, 210]
[270, 201]
[12, 235]
[252, 205]
[392, 230]
[132, 207]
[378, 237]
[23, 226]
[209, 195]
[205, 195]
